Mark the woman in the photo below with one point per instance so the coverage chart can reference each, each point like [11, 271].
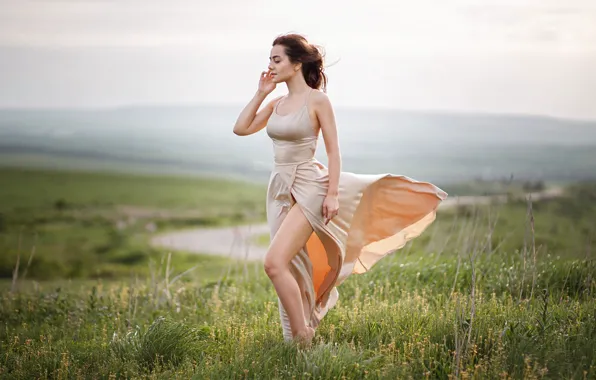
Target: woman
[325, 224]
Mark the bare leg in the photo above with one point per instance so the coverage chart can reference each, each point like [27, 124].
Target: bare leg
[291, 236]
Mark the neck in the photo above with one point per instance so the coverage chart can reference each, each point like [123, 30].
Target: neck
[297, 85]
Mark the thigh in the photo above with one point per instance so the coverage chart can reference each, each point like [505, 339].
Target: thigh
[292, 235]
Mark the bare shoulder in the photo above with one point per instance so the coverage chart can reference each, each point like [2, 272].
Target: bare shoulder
[319, 98]
[274, 100]
[321, 104]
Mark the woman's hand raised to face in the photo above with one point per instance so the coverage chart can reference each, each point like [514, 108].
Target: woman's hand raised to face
[266, 84]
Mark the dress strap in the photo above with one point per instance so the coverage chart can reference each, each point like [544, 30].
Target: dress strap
[306, 100]
[308, 96]
[277, 103]
[283, 97]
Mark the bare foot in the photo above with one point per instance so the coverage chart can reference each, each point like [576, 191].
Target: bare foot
[305, 337]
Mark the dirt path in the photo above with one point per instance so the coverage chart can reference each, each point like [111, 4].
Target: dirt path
[238, 242]
[234, 242]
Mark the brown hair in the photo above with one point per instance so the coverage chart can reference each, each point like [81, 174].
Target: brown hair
[298, 49]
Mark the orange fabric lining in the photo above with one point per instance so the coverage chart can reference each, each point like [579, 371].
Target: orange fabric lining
[318, 257]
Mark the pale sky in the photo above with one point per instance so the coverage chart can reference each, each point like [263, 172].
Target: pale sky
[502, 56]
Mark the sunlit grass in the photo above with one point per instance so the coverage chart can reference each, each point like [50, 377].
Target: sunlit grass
[505, 291]
[405, 318]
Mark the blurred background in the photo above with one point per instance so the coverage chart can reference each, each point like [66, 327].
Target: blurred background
[132, 218]
[116, 117]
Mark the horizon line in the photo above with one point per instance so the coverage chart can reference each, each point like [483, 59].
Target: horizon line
[338, 107]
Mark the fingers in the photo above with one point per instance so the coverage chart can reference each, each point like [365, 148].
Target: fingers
[329, 218]
[266, 75]
[328, 214]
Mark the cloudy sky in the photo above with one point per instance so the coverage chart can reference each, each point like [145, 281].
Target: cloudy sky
[503, 56]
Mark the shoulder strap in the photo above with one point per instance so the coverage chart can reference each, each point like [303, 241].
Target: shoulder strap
[308, 96]
[279, 101]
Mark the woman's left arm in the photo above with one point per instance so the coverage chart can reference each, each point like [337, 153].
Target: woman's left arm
[326, 117]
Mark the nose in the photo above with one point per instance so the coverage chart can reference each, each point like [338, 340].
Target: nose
[269, 67]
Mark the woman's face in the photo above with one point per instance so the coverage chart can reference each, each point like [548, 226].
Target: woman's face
[280, 65]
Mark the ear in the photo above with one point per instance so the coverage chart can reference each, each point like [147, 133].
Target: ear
[298, 66]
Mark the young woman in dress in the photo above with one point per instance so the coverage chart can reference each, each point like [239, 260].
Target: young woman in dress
[325, 223]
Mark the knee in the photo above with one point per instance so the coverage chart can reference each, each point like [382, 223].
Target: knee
[272, 266]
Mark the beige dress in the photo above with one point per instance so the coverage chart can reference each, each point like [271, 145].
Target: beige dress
[378, 214]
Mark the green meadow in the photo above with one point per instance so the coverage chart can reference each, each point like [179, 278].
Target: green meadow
[97, 225]
[497, 291]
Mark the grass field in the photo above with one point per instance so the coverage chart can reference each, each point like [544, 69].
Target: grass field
[86, 225]
[97, 224]
[504, 291]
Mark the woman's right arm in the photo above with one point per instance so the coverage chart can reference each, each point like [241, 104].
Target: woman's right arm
[250, 121]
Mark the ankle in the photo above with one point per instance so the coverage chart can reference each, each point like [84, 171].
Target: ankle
[307, 332]
[305, 338]
[302, 331]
